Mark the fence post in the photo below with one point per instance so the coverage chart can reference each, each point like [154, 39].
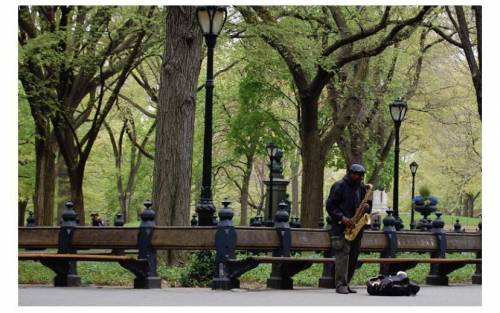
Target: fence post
[277, 279]
[66, 274]
[194, 220]
[281, 273]
[437, 277]
[225, 245]
[392, 241]
[118, 222]
[30, 221]
[150, 278]
[477, 277]
[327, 279]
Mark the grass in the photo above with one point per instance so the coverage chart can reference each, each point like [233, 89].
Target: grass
[449, 220]
[310, 276]
[104, 273]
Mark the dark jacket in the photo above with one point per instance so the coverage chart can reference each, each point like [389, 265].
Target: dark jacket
[345, 197]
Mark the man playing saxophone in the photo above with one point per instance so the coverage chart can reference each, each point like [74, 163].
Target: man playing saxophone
[346, 197]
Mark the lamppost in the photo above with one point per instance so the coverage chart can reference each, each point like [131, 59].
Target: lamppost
[413, 169]
[272, 149]
[211, 20]
[398, 111]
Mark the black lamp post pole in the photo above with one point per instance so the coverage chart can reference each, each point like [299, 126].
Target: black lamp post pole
[270, 206]
[412, 219]
[395, 195]
[205, 207]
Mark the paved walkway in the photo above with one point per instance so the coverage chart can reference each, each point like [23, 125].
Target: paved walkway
[465, 295]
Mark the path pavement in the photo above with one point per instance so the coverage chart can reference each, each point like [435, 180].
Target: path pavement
[30, 295]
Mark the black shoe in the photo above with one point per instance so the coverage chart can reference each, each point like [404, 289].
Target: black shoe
[343, 290]
[351, 290]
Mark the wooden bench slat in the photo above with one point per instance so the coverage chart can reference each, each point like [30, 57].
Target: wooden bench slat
[365, 260]
[202, 237]
[74, 257]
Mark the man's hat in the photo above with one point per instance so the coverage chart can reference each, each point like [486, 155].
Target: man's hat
[357, 168]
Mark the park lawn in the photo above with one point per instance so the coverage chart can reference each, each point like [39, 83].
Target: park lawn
[311, 276]
[449, 220]
[104, 273]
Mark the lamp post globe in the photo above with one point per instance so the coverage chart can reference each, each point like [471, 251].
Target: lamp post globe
[211, 20]
[413, 170]
[413, 167]
[271, 149]
[398, 110]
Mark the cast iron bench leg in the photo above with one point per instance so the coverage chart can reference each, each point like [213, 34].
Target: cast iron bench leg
[281, 275]
[438, 275]
[144, 278]
[66, 274]
[477, 277]
[237, 268]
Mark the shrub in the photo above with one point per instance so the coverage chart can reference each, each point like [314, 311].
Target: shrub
[424, 191]
[199, 272]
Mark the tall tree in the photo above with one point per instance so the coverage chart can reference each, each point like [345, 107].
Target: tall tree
[175, 117]
[26, 158]
[469, 42]
[371, 130]
[313, 70]
[252, 125]
[68, 53]
[125, 183]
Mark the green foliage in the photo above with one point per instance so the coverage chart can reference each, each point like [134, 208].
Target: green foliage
[387, 173]
[200, 271]
[255, 124]
[424, 191]
[256, 103]
[26, 150]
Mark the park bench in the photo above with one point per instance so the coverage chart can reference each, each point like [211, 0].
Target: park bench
[227, 239]
[62, 263]
[289, 266]
[387, 242]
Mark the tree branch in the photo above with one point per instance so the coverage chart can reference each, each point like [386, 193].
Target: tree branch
[358, 36]
[391, 38]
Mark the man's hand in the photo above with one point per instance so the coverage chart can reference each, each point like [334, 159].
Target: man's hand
[348, 222]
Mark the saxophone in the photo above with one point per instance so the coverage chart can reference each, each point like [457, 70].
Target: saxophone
[360, 218]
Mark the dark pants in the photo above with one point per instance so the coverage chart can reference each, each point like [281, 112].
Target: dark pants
[346, 255]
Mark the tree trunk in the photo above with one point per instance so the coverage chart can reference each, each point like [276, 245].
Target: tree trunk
[175, 119]
[245, 186]
[381, 157]
[464, 35]
[313, 166]
[21, 207]
[63, 187]
[295, 187]
[470, 199]
[76, 185]
[45, 149]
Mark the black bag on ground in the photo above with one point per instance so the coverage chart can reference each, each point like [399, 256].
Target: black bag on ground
[397, 285]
